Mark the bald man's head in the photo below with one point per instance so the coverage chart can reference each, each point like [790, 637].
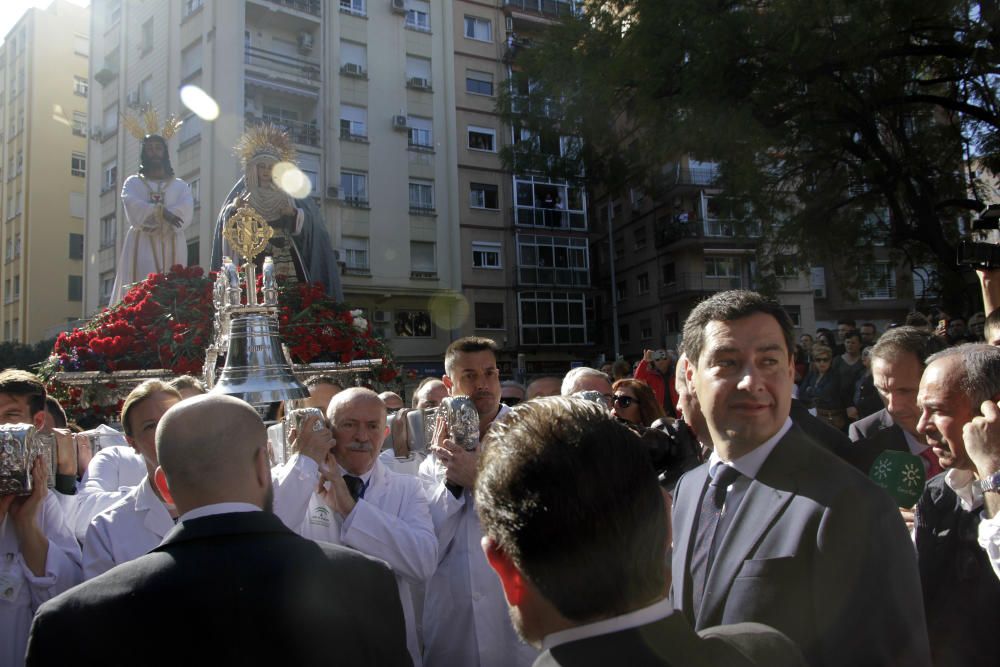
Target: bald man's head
[211, 449]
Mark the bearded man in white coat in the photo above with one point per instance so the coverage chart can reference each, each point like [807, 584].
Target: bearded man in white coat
[158, 207]
[363, 505]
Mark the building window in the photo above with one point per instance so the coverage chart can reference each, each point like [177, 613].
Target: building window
[484, 195]
[645, 329]
[356, 7]
[194, 252]
[672, 322]
[423, 263]
[552, 318]
[418, 72]
[553, 260]
[80, 86]
[190, 131]
[486, 255]
[639, 237]
[108, 231]
[621, 290]
[540, 202]
[722, 267]
[76, 246]
[75, 288]
[146, 40]
[668, 274]
[878, 281]
[356, 253]
[78, 165]
[79, 123]
[195, 185]
[353, 122]
[420, 132]
[624, 333]
[114, 12]
[16, 330]
[413, 323]
[354, 188]
[478, 83]
[146, 91]
[107, 281]
[794, 314]
[482, 139]
[421, 196]
[110, 121]
[489, 315]
[17, 244]
[418, 15]
[81, 47]
[110, 178]
[353, 57]
[478, 28]
[643, 283]
[191, 60]
[191, 6]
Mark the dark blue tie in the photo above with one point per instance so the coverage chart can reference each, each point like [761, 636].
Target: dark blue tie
[703, 549]
[356, 486]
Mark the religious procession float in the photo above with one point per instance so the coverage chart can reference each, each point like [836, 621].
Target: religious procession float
[247, 329]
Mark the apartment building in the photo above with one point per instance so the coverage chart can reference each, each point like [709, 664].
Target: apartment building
[44, 91]
[392, 107]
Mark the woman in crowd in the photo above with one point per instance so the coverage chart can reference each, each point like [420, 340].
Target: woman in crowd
[821, 389]
[633, 401]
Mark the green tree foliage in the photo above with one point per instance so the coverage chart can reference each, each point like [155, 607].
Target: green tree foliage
[838, 123]
[23, 356]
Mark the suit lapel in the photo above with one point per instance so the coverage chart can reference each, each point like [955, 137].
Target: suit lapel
[761, 506]
[685, 510]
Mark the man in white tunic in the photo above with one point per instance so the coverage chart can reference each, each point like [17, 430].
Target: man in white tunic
[39, 558]
[465, 619]
[139, 521]
[364, 505]
[157, 207]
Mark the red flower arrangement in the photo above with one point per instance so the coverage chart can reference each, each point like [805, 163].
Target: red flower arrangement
[166, 322]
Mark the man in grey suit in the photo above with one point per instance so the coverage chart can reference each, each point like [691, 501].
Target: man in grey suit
[230, 584]
[576, 528]
[775, 529]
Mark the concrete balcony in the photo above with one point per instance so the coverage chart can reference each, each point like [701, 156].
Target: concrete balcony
[686, 285]
[278, 66]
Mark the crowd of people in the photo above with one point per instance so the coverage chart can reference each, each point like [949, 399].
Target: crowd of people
[707, 508]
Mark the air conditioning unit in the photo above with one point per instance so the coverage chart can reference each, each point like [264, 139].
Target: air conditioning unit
[97, 133]
[132, 100]
[305, 42]
[399, 123]
[419, 82]
[381, 316]
[105, 75]
[332, 192]
[352, 68]
[398, 6]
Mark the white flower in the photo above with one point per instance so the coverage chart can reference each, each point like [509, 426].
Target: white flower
[356, 313]
[360, 323]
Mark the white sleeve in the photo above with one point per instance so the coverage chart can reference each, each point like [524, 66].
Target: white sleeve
[989, 539]
[407, 542]
[138, 208]
[294, 484]
[182, 202]
[62, 564]
[97, 556]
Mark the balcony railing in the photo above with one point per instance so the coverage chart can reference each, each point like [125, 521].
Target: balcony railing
[545, 7]
[308, 6]
[706, 229]
[279, 62]
[703, 176]
[303, 133]
[699, 282]
[549, 218]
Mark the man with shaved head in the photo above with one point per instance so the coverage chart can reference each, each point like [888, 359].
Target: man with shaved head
[230, 584]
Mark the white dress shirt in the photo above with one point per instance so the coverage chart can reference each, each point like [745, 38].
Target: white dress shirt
[130, 528]
[21, 591]
[633, 619]
[112, 473]
[392, 522]
[466, 621]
